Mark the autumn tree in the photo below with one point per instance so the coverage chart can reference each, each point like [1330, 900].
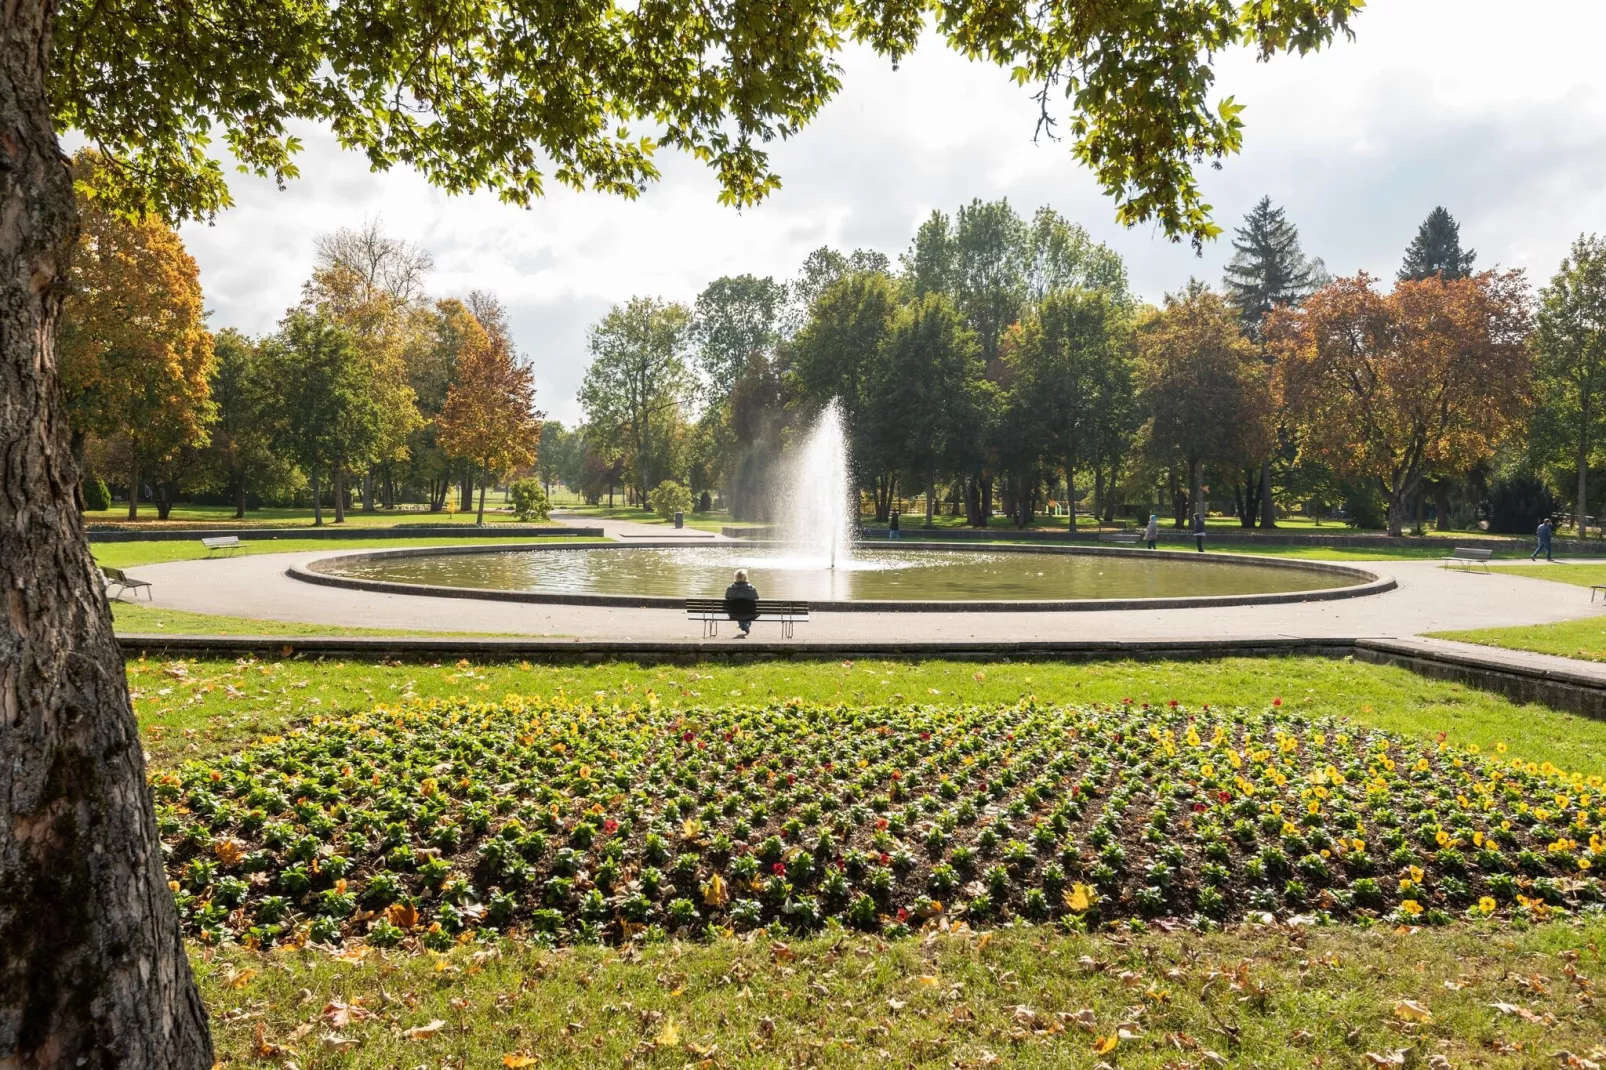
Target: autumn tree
[1569, 414]
[1204, 386]
[242, 453]
[488, 95]
[136, 358]
[1387, 387]
[490, 415]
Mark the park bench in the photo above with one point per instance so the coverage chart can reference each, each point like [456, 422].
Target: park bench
[713, 610]
[230, 543]
[1129, 538]
[1468, 556]
[116, 577]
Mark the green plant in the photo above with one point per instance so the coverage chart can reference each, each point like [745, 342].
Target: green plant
[669, 498]
[96, 497]
[528, 499]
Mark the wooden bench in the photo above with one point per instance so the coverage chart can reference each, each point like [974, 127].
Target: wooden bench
[1129, 538]
[713, 610]
[230, 543]
[1468, 556]
[116, 577]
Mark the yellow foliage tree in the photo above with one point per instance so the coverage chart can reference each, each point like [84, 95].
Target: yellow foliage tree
[136, 356]
[490, 416]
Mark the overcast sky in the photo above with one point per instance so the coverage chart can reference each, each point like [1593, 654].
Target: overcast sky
[1495, 110]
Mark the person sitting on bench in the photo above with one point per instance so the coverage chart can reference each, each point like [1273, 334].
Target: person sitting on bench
[741, 602]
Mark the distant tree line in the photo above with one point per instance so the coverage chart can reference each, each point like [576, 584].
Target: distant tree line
[369, 391]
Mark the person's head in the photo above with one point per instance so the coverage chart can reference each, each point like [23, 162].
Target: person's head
[1153, 517]
[1196, 516]
[741, 575]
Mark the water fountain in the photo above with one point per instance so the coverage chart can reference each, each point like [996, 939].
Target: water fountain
[818, 496]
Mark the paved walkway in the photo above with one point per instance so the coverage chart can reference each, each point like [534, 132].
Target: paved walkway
[1428, 598]
[632, 530]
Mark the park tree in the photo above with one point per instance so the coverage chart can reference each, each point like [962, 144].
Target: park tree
[1072, 385]
[490, 415]
[1061, 255]
[1268, 270]
[1436, 250]
[552, 453]
[136, 358]
[924, 401]
[326, 413]
[1387, 387]
[735, 323]
[990, 259]
[94, 968]
[638, 382]
[1569, 412]
[1204, 386]
[241, 453]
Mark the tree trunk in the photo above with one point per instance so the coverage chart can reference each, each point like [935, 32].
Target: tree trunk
[368, 503]
[133, 483]
[317, 498]
[1195, 489]
[465, 497]
[1441, 505]
[931, 496]
[1268, 511]
[1070, 496]
[484, 478]
[92, 966]
[1581, 509]
[1396, 502]
[337, 479]
[239, 499]
[986, 500]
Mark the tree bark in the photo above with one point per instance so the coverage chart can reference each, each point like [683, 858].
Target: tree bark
[1195, 488]
[239, 499]
[1581, 510]
[317, 498]
[484, 470]
[337, 479]
[1268, 511]
[368, 504]
[1070, 496]
[92, 966]
[1441, 505]
[931, 496]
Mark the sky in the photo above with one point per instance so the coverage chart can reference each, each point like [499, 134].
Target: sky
[1495, 110]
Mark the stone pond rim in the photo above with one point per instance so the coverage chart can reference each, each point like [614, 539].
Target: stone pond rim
[1366, 582]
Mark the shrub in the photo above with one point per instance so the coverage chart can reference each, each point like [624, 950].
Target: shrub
[528, 499]
[1363, 505]
[668, 498]
[1516, 504]
[96, 497]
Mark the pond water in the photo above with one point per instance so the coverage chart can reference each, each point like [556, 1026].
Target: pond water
[873, 574]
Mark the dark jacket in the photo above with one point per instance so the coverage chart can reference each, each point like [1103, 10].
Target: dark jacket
[1545, 531]
[1198, 525]
[892, 522]
[741, 601]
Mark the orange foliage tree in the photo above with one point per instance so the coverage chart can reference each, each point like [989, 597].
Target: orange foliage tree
[136, 356]
[489, 416]
[1389, 386]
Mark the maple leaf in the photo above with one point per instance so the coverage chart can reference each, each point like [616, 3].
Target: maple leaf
[402, 915]
[239, 978]
[1393, 1058]
[229, 850]
[517, 1060]
[715, 892]
[668, 1036]
[1078, 898]
[1105, 1045]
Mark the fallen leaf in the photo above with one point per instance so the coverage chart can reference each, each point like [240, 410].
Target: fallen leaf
[1393, 1058]
[340, 1041]
[420, 1032]
[239, 978]
[1412, 1011]
[517, 1060]
[1105, 1045]
[668, 1036]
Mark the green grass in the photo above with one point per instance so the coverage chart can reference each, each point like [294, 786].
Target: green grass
[157, 551]
[209, 706]
[1580, 574]
[1278, 999]
[1582, 639]
[274, 516]
[139, 618]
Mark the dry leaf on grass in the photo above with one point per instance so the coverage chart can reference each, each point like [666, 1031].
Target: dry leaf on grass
[421, 1032]
[1412, 1011]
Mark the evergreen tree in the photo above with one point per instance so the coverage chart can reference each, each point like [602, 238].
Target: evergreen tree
[1436, 250]
[1268, 269]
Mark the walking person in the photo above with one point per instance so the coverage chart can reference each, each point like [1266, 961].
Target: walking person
[893, 531]
[1151, 534]
[1198, 531]
[1546, 530]
[741, 603]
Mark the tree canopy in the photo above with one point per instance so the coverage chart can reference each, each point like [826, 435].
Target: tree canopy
[1436, 250]
[1570, 365]
[1268, 269]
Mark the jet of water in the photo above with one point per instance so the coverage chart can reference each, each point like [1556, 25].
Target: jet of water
[818, 503]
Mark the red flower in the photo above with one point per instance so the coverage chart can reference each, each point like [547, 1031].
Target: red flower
[610, 826]
[1198, 808]
[1173, 704]
[1276, 702]
[1224, 796]
[779, 869]
[885, 858]
[903, 915]
[687, 736]
[790, 779]
[701, 745]
[880, 824]
[925, 735]
[896, 775]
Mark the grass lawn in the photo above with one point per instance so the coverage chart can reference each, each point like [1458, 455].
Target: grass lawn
[709, 521]
[1583, 639]
[1506, 990]
[275, 516]
[1276, 998]
[138, 618]
[1580, 573]
[156, 551]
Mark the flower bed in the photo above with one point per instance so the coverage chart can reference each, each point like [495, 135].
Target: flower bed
[430, 823]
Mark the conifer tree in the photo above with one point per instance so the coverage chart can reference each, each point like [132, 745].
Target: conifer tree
[1436, 250]
[1268, 269]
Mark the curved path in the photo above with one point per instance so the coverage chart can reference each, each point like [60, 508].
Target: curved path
[1428, 598]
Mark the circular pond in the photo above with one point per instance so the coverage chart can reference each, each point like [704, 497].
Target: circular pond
[935, 576]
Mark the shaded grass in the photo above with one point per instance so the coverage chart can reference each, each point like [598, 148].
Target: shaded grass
[134, 618]
[274, 516]
[1271, 998]
[208, 706]
[159, 551]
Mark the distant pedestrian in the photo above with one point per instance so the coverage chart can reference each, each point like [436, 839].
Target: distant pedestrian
[893, 531]
[1546, 530]
[1151, 534]
[741, 603]
[1198, 531]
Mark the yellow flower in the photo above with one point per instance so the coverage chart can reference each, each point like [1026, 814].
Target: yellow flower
[1314, 807]
[1583, 863]
[1411, 907]
[1442, 838]
[1477, 839]
[1358, 843]
[1501, 747]
[1486, 904]
[1416, 874]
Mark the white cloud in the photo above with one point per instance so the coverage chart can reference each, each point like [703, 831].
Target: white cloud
[1492, 110]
